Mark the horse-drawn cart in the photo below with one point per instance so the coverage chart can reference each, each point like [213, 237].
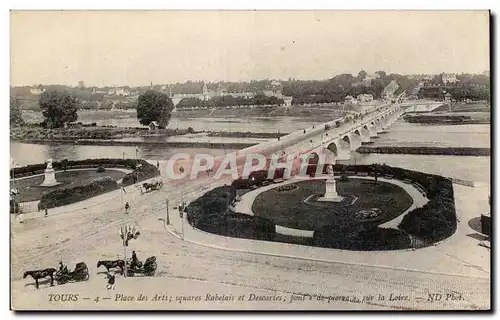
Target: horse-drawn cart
[155, 184]
[146, 269]
[81, 273]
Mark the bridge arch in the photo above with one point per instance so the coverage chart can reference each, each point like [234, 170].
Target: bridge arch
[333, 148]
[347, 142]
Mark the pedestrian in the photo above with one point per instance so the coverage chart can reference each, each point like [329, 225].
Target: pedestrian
[46, 212]
[127, 207]
[304, 131]
[111, 282]
[158, 164]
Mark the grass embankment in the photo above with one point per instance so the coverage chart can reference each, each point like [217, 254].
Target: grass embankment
[30, 189]
[288, 209]
[36, 133]
[451, 151]
[264, 135]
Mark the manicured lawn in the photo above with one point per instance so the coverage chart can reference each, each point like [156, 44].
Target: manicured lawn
[288, 208]
[31, 191]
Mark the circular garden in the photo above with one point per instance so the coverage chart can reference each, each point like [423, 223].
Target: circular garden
[298, 208]
[352, 224]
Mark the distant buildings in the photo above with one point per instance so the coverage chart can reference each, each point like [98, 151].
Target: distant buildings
[154, 126]
[350, 100]
[274, 90]
[389, 90]
[38, 90]
[447, 97]
[449, 78]
[120, 91]
[370, 77]
[364, 97]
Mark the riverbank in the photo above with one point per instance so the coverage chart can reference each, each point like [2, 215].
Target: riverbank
[178, 144]
[264, 135]
[426, 151]
[32, 134]
[457, 118]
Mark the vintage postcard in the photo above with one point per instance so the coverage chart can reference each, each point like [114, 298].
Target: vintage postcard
[250, 160]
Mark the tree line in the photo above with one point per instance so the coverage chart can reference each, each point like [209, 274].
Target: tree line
[60, 108]
[228, 101]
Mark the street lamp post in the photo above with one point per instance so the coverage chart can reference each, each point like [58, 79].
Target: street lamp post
[124, 235]
[182, 222]
[168, 217]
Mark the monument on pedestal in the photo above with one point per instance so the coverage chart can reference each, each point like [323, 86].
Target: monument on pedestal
[50, 175]
[331, 188]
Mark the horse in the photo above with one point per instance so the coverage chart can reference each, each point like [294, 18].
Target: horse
[37, 274]
[108, 264]
[147, 186]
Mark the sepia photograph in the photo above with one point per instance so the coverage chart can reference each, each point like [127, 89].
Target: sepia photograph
[250, 160]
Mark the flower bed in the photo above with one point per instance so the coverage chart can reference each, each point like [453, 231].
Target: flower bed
[33, 169]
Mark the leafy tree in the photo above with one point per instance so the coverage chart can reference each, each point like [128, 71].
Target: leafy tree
[362, 75]
[58, 108]
[154, 106]
[15, 112]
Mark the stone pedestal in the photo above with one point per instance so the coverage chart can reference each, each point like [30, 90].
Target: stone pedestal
[50, 178]
[331, 192]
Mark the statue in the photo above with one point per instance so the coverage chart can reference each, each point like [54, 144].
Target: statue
[50, 175]
[49, 163]
[329, 170]
[331, 194]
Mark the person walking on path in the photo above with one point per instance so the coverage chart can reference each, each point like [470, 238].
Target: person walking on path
[111, 282]
[127, 207]
[46, 212]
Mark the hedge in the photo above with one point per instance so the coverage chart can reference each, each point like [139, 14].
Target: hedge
[361, 237]
[433, 222]
[145, 172]
[74, 164]
[211, 213]
[61, 197]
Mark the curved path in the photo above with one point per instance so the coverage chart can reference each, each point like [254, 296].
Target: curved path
[247, 200]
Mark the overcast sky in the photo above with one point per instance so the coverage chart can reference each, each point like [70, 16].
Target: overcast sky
[134, 48]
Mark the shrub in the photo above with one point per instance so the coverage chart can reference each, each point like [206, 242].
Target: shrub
[211, 213]
[101, 169]
[61, 197]
[241, 184]
[146, 171]
[190, 130]
[287, 187]
[361, 237]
